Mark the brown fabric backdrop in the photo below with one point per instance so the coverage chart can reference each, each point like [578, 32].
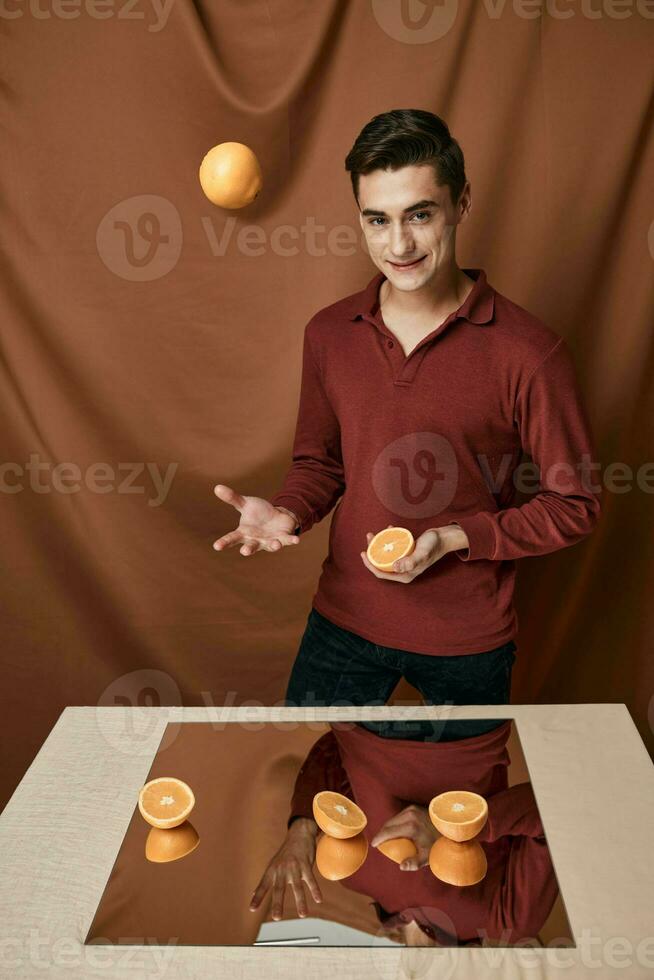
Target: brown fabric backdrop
[152, 333]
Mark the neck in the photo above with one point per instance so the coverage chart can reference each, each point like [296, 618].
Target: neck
[446, 290]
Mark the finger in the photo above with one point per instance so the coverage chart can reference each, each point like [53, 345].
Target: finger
[274, 544]
[312, 884]
[394, 828]
[278, 898]
[300, 899]
[250, 547]
[391, 576]
[405, 565]
[409, 864]
[229, 496]
[259, 893]
[228, 540]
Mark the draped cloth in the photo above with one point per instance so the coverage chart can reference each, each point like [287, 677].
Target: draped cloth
[151, 342]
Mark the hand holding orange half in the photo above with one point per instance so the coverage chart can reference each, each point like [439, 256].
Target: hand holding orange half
[393, 553]
[407, 838]
[388, 547]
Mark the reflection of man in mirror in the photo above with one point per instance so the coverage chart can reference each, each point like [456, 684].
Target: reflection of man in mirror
[419, 395]
[393, 780]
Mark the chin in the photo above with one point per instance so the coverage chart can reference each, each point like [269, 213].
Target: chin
[406, 283]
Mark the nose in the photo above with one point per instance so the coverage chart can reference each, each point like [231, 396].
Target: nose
[401, 243]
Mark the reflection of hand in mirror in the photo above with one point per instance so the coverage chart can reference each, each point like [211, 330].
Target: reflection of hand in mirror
[291, 865]
[412, 822]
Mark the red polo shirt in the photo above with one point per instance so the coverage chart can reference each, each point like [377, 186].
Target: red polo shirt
[434, 438]
[385, 775]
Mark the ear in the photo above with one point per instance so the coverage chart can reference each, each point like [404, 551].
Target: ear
[465, 203]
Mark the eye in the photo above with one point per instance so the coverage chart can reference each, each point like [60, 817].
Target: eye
[427, 214]
[373, 220]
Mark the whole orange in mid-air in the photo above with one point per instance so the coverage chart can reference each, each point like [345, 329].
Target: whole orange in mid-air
[388, 546]
[230, 175]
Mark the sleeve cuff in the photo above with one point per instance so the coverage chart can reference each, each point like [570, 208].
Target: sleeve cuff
[296, 815]
[301, 804]
[303, 513]
[480, 532]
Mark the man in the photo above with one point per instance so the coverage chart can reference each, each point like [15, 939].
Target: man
[419, 396]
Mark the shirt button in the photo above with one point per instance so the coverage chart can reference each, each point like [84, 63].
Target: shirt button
[390, 343]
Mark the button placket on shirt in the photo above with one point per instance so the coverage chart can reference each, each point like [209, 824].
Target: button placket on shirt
[405, 367]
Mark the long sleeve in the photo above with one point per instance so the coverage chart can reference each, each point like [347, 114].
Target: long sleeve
[512, 813]
[529, 888]
[555, 432]
[315, 480]
[322, 769]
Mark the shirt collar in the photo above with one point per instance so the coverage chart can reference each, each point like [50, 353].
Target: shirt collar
[478, 306]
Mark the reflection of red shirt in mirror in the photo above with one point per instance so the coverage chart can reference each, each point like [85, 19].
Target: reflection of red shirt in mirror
[385, 775]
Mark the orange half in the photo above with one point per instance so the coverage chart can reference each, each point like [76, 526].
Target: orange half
[166, 802]
[460, 864]
[337, 815]
[338, 859]
[398, 849]
[388, 546]
[172, 844]
[458, 814]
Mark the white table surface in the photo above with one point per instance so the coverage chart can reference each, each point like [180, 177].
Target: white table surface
[63, 827]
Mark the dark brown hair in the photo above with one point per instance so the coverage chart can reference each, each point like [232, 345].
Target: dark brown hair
[405, 137]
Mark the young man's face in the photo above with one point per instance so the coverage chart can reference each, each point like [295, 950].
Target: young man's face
[410, 243]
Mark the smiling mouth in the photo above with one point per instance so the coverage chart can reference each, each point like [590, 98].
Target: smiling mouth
[407, 265]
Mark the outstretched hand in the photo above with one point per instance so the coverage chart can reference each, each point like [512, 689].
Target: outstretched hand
[291, 866]
[262, 526]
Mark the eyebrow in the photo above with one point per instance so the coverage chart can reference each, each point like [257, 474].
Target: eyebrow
[413, 207]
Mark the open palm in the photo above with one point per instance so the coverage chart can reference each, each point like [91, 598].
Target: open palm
[262, 526]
